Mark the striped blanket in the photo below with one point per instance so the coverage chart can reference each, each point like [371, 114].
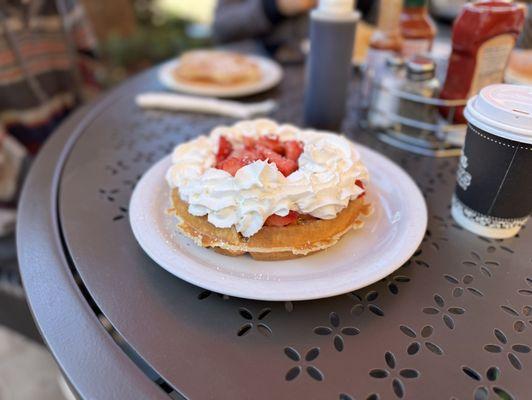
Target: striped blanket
[47, 67]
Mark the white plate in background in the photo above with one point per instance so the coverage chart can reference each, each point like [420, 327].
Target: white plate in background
[271, 75]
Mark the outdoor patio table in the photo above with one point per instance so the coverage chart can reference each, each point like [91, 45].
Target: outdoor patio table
[455, 322]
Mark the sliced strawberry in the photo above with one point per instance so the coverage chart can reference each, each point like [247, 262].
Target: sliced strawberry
[249, 143]
[238, 159]
[247, 156]
[272, 142]
[225, 148]
[284, 165]
[276, 220]
[293, 149]
[231, 165]
[360, 184]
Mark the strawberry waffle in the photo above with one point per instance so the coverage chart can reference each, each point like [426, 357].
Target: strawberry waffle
[273, 191]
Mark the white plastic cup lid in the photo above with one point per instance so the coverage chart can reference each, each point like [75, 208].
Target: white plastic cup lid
[503, 110]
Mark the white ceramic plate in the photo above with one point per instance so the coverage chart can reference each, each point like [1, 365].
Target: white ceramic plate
[387, 240]
[271, 76]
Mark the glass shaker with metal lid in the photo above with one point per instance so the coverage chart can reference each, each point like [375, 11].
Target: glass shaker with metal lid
[395, 64]
[417, 117]
[384, 103]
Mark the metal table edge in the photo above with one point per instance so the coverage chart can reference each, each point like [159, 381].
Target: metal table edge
[72, 330]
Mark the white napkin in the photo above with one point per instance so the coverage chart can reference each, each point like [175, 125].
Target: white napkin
[207, 105]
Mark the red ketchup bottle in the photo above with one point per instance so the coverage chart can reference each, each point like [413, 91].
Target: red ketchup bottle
[484, 34]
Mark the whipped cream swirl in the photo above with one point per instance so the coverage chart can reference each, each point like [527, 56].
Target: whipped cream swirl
[322, 186]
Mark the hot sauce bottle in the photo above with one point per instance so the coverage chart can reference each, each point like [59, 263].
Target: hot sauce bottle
[484, 34]
[386, 40]
[417, 28]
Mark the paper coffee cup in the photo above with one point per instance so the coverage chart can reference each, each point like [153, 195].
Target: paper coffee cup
[493, 194]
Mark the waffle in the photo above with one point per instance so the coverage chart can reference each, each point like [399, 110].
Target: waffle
[271, 243]
[221, 68]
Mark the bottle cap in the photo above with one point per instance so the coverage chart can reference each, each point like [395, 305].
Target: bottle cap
[337, 7]
[494, 7]
[415, 3]
[395, 61]
[420, 67]
[503, 110]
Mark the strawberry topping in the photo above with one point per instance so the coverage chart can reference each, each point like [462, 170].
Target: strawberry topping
[293, 149]
[284, 165]
[249, 143]
[360, 184]
[276, 220]
[231, 165]
[283, 154]
[273, 143]
[225, 148]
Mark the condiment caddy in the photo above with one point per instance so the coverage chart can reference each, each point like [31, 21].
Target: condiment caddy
[405, 112]
[407, 105]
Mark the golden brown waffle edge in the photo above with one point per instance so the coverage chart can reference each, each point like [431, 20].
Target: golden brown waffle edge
[271, 243]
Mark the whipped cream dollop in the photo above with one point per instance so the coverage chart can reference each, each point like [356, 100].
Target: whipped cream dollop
[322, 186]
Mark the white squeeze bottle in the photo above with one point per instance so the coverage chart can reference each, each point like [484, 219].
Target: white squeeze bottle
[332, 35]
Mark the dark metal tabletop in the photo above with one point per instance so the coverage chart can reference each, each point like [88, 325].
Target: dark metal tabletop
[455, 322]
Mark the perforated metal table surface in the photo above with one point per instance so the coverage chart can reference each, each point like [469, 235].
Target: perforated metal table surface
[455, 322]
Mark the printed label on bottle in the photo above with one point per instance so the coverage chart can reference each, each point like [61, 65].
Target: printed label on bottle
[411, 47]
[492, 57]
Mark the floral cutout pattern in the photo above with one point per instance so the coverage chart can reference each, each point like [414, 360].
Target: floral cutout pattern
[444, 311]
[415, 346]
[417, 260]
[521, 319]
[122, 212]
[462, 285]
[526, 292]
[447, 221]
[131, 183]
[493, 244]
[339, 332]
[482, 392]
[207, 293]
[366, 302]
[246, 327]
[289, 306]
[434, 241]
[392, 283]
[345, 396]
[398, 386]
[512, 350]
[109, 195]
[485, 266]
[306, 364]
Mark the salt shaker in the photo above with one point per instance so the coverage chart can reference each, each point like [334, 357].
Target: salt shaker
[384, 100]
[420, 82]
